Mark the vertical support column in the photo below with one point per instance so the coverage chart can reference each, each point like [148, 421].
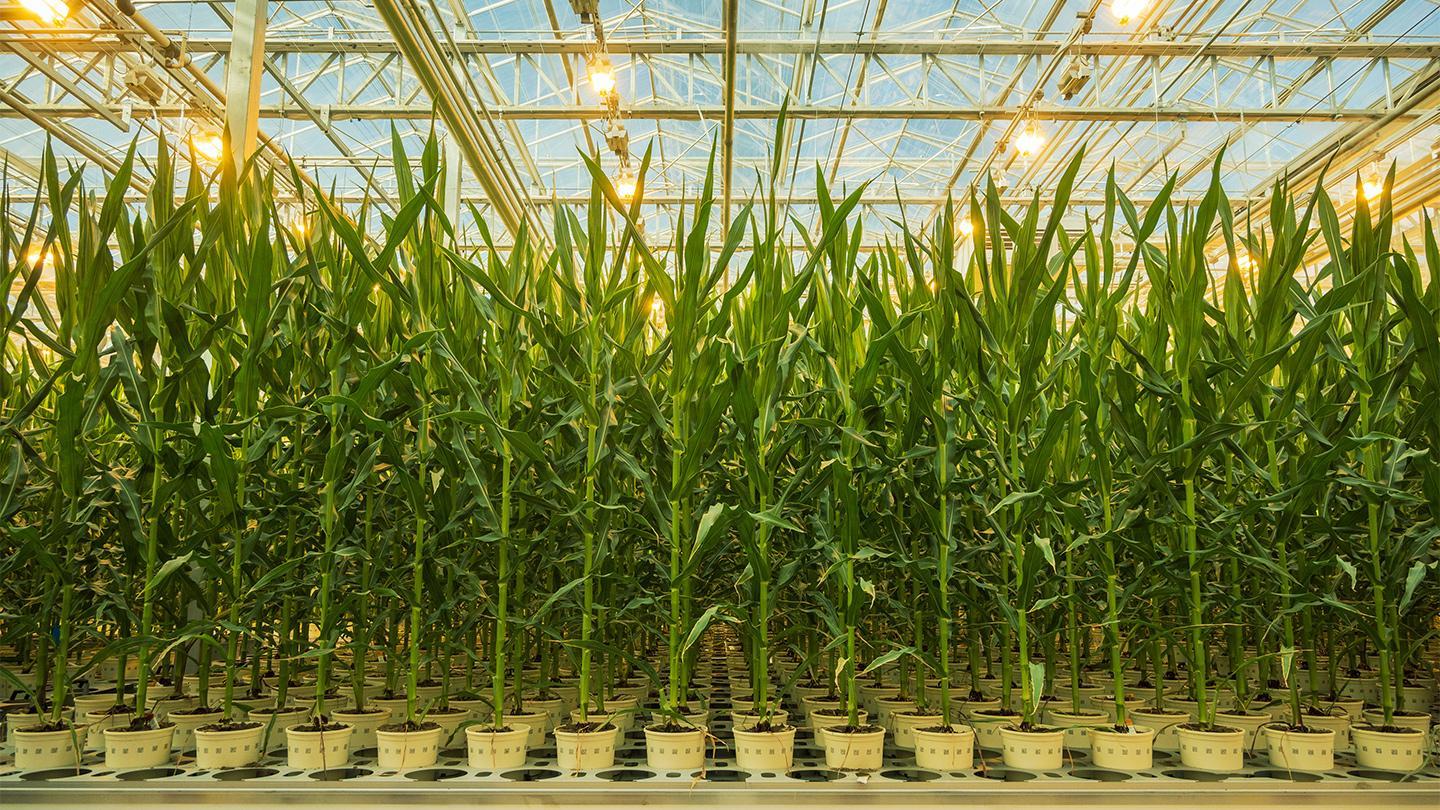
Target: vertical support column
[727, 138]
[242, 80]
[454, 166]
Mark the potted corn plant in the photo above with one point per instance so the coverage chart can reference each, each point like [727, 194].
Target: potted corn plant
[1367, 265]
[695, 312]
[1100, 294]
[1018, 299]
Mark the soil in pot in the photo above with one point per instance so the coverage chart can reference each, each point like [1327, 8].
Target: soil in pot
[97, 722]
[490, 748]
[320, 743]
[1076, 725]
[904, 723]
[987, 723]
[1164, 722]
[1122, 748]
[766, 747]
[674, 746]
[408, 744]
[585, 746]
[834, 718]
[1389, 748]
[364, 721]
[1248, 722]
[944, 748]
[1032, 748]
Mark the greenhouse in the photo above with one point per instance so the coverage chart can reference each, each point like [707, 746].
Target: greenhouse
[721, 402]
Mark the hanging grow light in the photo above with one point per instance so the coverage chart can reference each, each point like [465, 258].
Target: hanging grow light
[625, 183]
[208, 146]
[1373, 184]
[1030, 141]
[602, 75]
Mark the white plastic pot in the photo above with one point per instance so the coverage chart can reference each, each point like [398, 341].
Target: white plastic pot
[1250, 723]
[363, 725]
[987, 724]
[777, 717]
[1032, 750]
[1301, 750]
[886, 708]
[164, 706]
[18, 718]
[622, 711]
[1389, 750]
[585, 750]
[1220, 749]
[230, 748]
[819, 721]
[43, 750]
[870, 693]
[761, 751]
[329, 748]
[675, 750]
[449, 722]
[275, 723]
[944, 750]
[1416, 698]
[852, 751]
[478, 707]
[903, 725]
[402, 750]
[1122, 751]
[493, 750]
[554, 707]
[1364, 687]
[1076, 725]
[1352, 707]
[963, 706]
[1416, 720]
[396, 705]
[126, 749]
[1164, 722]
[96, 723]
[1106, 703]
[1338, 723]
[187, 722]
[84, 704]
[802, 692]
[537, 720]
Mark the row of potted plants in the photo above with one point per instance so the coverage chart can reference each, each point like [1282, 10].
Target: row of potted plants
[500, 481]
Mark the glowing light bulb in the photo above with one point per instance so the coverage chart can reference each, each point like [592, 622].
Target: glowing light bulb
[36, 257]
[1372, 187]
[1029, 142]
[51, 12]
[602, 75]
[208, 146]
[1126, 10]
[625, 183]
